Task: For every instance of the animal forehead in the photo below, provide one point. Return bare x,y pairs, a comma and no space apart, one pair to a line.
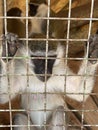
42,45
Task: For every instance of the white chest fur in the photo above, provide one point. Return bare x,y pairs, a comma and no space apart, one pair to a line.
42,101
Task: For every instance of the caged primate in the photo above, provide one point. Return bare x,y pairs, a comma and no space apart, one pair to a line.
40,77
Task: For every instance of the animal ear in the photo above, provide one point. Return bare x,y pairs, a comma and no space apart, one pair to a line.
33,9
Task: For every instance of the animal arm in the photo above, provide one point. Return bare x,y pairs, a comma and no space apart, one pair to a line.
9,70
80,86
84,83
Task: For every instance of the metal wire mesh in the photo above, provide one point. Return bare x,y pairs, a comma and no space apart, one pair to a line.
80,112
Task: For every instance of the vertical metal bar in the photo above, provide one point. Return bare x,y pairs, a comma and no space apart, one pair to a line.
1,19
67,44
7,69
27,65
89,33
46,56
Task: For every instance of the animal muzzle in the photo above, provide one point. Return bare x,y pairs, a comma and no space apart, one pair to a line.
43,69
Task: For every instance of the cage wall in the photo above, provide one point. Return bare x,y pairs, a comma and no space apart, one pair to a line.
48,65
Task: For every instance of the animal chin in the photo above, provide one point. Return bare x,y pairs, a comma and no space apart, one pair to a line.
43,78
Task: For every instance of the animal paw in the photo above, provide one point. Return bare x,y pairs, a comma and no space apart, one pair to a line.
10,44
93,48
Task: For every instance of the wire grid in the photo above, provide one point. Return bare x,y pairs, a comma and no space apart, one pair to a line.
47,39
